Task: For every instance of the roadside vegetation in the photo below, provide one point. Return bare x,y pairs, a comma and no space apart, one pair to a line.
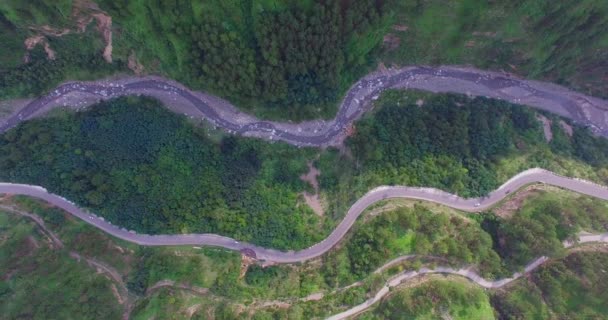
150,170
542,223
147,169
563,42
288,59
196,282
435,299
570,288
467,146
294,59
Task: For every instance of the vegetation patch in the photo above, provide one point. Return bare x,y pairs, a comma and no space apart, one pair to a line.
147,169
39,282
435,299
574,287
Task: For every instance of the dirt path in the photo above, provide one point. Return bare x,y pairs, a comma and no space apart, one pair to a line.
172,284
546,127
122,296
313,200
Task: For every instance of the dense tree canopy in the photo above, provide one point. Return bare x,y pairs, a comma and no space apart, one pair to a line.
282,58
146,169
455,134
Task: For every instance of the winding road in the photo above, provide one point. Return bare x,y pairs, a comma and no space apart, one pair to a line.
463,272
585,110
267,255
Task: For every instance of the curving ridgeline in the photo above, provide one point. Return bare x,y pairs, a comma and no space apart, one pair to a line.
268,255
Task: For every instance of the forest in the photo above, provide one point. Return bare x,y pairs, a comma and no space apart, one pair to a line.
573,288
467,146
294,59
150,170
571,283
289,59
147,169
443,135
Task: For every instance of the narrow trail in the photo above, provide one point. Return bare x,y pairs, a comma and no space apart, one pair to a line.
269,256
199,291
463,272
585,110
112,273
385,290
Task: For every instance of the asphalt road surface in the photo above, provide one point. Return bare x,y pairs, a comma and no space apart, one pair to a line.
267,255
585,110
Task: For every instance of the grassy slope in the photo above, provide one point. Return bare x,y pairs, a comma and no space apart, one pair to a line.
562,42
42,283
435,299
571,288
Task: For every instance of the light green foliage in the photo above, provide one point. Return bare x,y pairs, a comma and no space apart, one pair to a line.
436,299
218,270
415,230
543,222
197,267
522,301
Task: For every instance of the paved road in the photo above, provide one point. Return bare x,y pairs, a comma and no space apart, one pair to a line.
375,195
585,110
464,272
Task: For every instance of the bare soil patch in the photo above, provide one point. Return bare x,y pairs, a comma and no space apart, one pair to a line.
83,13
400,27
313,200
31,43
246,261
116,294
192,309
546,126
567,128
134,64
391,41
509,207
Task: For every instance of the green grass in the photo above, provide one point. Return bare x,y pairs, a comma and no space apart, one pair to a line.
404,243
197,267
170,304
